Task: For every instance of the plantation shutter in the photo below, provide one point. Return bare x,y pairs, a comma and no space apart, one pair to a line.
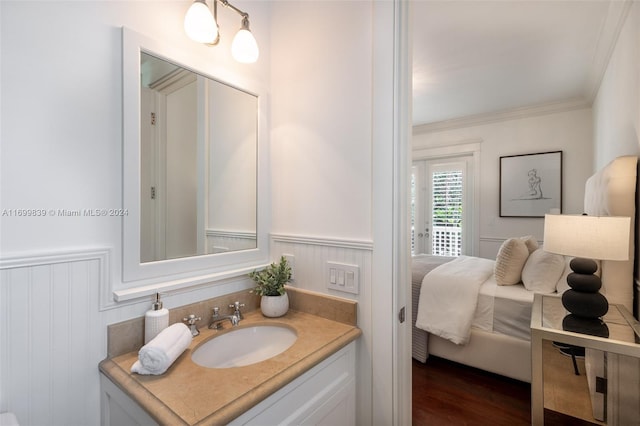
447,200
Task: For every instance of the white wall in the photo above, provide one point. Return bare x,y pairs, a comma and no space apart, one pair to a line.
331,141
616,110
321,145
569,131
61,133
321,120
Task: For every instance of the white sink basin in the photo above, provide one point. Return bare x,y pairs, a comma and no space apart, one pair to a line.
244,346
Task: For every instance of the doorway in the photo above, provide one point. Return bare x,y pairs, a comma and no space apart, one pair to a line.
442,197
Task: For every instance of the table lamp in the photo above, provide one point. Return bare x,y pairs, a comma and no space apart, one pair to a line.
586,238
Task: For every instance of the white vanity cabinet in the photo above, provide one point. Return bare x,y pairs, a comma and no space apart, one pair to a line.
324,395
117,408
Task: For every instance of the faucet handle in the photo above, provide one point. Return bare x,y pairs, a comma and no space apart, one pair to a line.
191,319
191,322
236,306
216,311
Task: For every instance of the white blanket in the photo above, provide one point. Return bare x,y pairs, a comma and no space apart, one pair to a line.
449,296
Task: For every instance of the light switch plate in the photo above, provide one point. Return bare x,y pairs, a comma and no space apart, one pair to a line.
342,277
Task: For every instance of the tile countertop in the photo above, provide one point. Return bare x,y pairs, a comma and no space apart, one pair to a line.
190,394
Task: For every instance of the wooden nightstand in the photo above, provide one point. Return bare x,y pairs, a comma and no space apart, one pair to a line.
614,360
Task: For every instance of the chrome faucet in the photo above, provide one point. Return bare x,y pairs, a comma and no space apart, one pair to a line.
236,307
217,320
191,322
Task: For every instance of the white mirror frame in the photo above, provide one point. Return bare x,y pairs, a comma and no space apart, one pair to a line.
139,278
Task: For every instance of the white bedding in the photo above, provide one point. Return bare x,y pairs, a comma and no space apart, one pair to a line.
421,265
450,307
449,297
504,309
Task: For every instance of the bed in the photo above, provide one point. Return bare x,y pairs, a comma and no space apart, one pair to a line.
494,336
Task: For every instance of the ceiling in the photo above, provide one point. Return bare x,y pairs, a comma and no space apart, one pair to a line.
478,57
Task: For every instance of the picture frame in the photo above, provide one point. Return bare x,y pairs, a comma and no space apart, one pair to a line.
531,184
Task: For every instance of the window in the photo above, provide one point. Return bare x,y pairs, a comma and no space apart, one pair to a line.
440,219
446,207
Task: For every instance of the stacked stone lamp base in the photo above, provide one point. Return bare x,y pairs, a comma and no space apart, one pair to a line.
584,301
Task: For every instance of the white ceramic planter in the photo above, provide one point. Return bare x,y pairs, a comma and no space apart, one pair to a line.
274,306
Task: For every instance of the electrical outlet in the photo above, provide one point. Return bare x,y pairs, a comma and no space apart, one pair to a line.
291,260
342,277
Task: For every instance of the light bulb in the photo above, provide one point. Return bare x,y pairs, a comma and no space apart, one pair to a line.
244,47
199,23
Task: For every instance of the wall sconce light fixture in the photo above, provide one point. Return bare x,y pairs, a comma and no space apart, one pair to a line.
202,26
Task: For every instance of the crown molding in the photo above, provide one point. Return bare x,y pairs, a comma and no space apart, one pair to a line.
614,21
607,39
504,115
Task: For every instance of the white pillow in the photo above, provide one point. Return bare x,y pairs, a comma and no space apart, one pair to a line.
531,243
542,271
511,258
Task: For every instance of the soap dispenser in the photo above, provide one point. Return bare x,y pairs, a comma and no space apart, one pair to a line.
155,320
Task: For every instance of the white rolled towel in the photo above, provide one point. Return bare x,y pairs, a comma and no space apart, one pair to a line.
8,419
157,356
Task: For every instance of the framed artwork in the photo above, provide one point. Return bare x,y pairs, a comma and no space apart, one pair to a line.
531,184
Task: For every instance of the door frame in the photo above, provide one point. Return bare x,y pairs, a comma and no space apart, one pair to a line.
391,255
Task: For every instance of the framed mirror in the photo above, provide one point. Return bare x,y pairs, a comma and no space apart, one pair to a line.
193,169
198,163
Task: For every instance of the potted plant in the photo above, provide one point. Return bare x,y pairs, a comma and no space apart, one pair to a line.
270,283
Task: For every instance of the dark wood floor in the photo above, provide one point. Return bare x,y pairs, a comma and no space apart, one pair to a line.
446,393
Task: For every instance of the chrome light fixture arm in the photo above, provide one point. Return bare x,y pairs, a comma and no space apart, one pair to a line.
201,25
225,3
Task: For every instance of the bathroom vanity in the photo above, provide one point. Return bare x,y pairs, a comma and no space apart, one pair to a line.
312,382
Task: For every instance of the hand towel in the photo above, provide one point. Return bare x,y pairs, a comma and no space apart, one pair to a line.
157,356
8,419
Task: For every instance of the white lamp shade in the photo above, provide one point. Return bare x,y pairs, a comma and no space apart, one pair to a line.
593,237
199,23
244,47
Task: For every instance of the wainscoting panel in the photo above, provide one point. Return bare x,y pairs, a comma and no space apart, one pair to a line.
310,257
54,312
310,261
489,246
52,341
221,241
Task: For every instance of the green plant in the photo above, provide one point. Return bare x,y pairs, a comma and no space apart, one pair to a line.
271,280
